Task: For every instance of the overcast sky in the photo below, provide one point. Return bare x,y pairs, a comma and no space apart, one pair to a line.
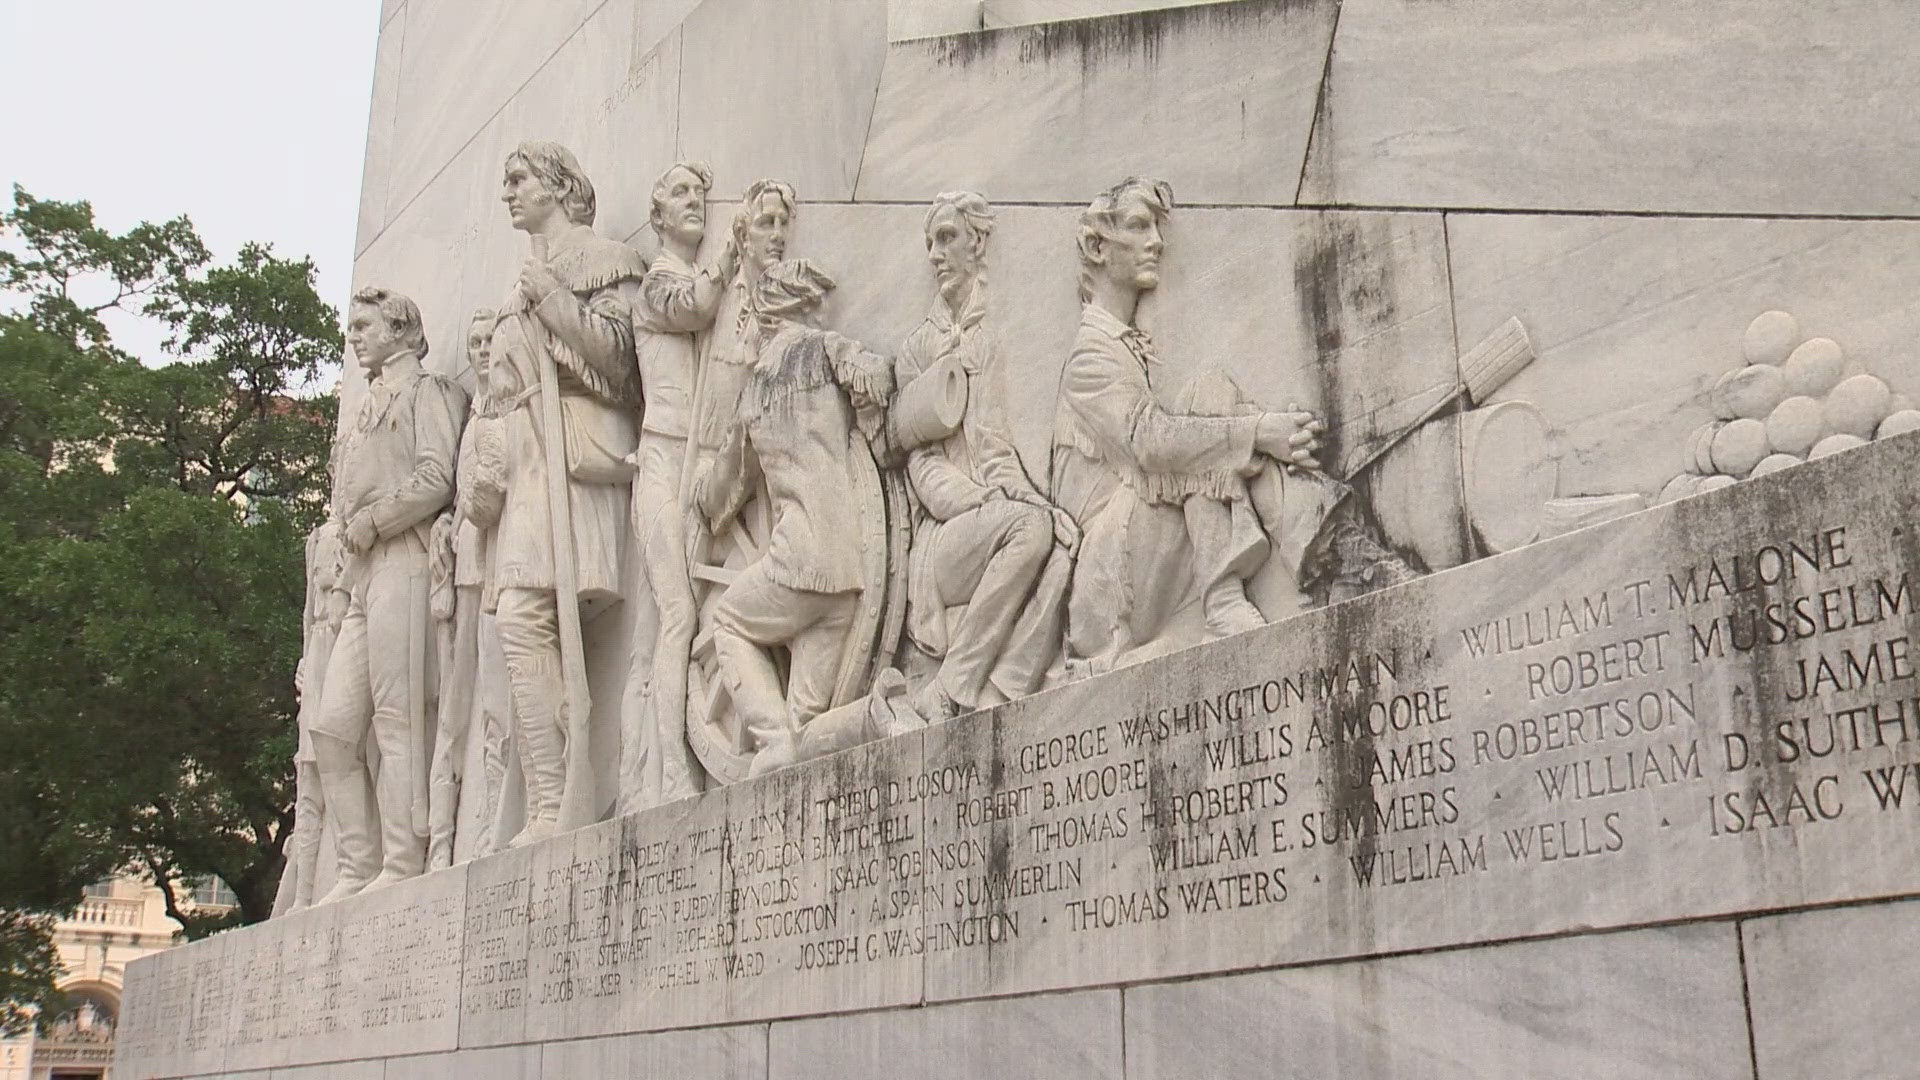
248,116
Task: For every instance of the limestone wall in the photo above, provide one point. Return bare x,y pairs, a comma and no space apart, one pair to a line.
1366,189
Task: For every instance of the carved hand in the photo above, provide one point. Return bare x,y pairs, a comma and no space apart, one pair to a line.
1066,531
537,280
1292,437
360,533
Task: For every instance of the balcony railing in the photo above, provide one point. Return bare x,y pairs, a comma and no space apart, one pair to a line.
109,911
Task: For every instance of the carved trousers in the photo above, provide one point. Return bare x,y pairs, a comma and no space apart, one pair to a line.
757,613
303,854
372,681
999,560
529,626
656,761
473,692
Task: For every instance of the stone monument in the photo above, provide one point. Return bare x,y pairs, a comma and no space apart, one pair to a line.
1260,539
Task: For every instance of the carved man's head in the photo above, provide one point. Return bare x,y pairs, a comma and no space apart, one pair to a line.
791,291
480,343
760,228
680,203
958,225
543,178
1120,235
382,324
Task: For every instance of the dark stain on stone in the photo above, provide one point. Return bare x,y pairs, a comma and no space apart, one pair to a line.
1344,290
1106,38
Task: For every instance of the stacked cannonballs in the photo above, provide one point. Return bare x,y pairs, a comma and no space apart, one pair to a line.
1795,400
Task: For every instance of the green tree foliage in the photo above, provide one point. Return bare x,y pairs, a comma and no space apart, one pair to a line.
152,516
28,968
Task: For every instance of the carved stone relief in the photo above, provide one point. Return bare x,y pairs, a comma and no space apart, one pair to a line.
715,557
672,326
394,474
815,544
325,609
991,556
562,367
1189,495
1797,398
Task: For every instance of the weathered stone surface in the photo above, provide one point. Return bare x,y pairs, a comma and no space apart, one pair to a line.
289,1005
1054,113
728,1052
781,88
624,925
1026,12
382,117
494,976
735,905
1595,731
1635,320
371,1069
1660,1003
924,18
495,46
494,1063
1828,989
1565,105
656,20
393,963
181,1024
1062,1037
824,884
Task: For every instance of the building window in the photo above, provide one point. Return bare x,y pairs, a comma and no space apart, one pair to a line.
210,891
103,887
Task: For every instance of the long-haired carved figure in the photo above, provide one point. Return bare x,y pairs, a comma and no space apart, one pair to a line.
563,358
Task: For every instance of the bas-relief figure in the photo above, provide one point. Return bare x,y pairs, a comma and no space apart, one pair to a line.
1187,493
760,232
991,557
678,302
395,471
805,514
811,402
326,607
562,369
473,680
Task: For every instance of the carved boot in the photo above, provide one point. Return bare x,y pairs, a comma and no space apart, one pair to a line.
543,759
351,809
304,859
493,768
931,702
404,850
1225,552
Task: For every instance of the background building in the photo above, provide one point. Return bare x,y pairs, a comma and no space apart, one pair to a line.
121,919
